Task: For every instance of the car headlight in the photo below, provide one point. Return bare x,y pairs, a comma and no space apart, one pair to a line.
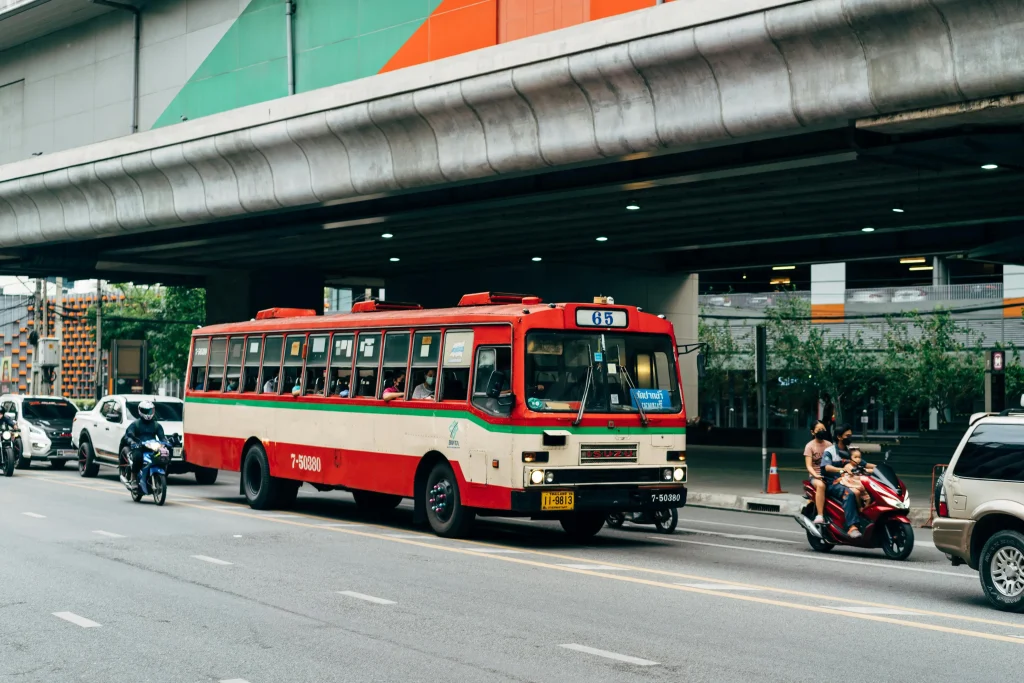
36,430
678,474
537,477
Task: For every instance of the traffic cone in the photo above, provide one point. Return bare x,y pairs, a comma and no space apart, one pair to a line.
774,485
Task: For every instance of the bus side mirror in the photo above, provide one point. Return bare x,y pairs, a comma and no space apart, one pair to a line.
701,365
496,383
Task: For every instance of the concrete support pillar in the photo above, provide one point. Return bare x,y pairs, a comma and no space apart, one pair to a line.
828,292
1013,291
239,295
675,296
940,271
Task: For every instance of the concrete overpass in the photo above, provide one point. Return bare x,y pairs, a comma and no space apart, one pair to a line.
746,131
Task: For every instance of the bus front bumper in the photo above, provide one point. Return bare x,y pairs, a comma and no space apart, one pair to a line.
611,498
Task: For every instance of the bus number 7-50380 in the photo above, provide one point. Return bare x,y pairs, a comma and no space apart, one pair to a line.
306,462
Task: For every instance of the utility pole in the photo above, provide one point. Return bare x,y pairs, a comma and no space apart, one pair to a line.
37,328
98,373
58,326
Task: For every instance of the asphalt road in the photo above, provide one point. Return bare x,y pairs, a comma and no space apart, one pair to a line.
101,589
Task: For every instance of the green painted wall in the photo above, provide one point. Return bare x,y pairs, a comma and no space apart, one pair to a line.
335,41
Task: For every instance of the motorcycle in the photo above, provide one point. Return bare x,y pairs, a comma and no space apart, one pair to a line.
664,520
8,454
884,522
152,478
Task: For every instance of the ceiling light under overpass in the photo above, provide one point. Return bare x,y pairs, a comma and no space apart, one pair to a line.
602,239
783,267
915,259
990,167
632,206
920,267
395,259
387,235
867,229
536,259
898,208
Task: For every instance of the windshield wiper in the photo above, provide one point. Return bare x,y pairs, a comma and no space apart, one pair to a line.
639,404
586,392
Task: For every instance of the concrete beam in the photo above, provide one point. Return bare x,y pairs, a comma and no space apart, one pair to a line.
675,77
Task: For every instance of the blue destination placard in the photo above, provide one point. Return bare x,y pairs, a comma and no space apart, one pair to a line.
651,399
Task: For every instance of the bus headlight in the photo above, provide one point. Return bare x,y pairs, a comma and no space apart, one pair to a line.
678,474
666,474
537,477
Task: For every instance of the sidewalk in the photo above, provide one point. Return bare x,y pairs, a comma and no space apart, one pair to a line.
729,478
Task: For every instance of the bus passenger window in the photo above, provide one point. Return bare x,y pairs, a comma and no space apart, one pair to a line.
426,348
200,354
234,363
458,352
251,372
491,359
215,375
293,353
270,375
396,359
316,366
341,365
367,360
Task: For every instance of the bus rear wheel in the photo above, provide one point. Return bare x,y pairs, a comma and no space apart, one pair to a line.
262,491
374,502
447,515
583,525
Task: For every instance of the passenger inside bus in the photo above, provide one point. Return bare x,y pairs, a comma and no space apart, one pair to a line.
270,386
340,383
425,384
394,387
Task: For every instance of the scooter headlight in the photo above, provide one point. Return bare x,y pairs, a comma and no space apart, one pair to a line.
7,436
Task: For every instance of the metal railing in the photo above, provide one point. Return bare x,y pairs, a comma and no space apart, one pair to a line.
990,291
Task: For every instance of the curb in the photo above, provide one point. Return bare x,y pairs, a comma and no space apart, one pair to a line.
772,505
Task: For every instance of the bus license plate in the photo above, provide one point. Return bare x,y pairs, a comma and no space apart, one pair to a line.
666,497
557,500
176,452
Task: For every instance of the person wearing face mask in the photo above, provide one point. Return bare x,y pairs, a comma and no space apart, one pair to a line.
425,390
813,451
834,462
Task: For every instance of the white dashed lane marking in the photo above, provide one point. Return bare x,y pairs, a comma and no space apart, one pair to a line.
367,598
741,537
609,655
108,534
596,567
719,586
76,619
34,515
857,609
211,560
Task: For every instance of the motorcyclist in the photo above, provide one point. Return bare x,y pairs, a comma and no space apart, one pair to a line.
834,462
9,421
145,428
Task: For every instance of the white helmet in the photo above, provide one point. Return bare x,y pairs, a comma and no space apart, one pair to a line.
147,411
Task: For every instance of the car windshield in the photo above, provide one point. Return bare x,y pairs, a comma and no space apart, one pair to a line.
41,409
165,410
627,369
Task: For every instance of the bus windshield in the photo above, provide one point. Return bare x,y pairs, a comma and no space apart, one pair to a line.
629,370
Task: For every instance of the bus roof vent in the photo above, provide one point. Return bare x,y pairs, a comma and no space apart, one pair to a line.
270,313
373,306
497,298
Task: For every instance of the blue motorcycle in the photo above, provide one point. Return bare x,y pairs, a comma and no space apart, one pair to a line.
153,475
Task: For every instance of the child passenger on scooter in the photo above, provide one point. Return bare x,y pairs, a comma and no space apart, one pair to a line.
852,481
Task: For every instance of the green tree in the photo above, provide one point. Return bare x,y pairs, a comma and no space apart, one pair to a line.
162,316
929,362
838,365
721,348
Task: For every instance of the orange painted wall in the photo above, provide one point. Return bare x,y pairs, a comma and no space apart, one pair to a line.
599,9
523,18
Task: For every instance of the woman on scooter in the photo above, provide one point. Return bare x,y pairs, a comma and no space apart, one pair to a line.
812,461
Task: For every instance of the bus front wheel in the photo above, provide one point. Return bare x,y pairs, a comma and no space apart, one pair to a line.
583,525
262,491
447,515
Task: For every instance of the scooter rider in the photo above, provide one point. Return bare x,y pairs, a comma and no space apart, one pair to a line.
143,429
834,461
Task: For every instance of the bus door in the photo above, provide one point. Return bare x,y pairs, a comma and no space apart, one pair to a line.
488,443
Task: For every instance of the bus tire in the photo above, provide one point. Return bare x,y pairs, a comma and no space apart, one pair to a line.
262,491
447,515
583,525
373,502
206,476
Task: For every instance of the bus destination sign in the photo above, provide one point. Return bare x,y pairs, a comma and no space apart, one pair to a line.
592,317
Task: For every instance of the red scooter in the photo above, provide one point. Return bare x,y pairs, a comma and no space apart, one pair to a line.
884,524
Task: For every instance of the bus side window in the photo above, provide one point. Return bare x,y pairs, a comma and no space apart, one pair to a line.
491,359
293,353
271,367
316,366
458,352
367,362
234,363
215,375
422,380
200,354
396,363
251,372
341,365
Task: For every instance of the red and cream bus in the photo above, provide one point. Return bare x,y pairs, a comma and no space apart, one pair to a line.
509,407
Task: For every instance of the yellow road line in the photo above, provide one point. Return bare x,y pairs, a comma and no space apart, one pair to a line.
240,512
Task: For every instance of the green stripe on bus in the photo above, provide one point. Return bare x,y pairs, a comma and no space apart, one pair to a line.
420,412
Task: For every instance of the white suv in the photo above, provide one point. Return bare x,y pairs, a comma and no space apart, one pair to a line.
45,425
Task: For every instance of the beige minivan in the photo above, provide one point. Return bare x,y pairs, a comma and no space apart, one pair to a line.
980,507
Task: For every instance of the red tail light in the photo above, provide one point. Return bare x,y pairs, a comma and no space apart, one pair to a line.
943,509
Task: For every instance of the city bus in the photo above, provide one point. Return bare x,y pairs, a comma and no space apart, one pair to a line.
503,406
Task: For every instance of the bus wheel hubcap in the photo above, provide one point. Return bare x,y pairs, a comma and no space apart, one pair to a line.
440,500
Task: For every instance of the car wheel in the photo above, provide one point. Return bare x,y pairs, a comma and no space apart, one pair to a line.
583,525
447,515
1001,569
207,476
87,465
262,491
